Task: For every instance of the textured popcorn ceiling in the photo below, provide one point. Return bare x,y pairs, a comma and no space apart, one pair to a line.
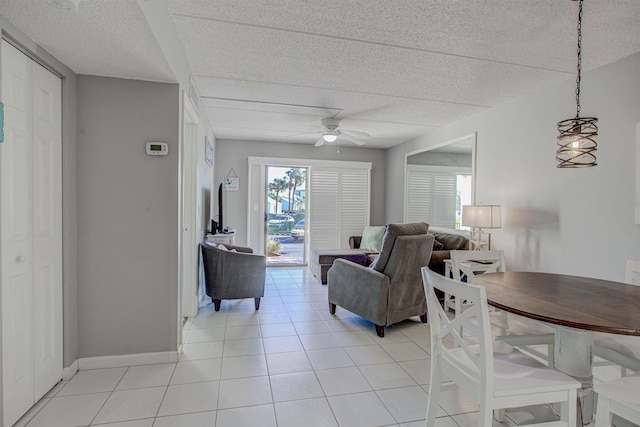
102,37
269,70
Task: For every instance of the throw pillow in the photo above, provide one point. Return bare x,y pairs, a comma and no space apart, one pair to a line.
372,238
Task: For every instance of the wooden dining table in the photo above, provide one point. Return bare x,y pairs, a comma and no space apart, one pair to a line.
577,307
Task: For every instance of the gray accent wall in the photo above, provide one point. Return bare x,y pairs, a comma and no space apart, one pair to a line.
235,154
128,205
572,221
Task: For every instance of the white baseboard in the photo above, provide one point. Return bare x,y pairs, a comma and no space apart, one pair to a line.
70,371
124,360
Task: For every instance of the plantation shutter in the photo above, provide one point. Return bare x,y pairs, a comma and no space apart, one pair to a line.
338,206
443,213
354,204
432,195
323,208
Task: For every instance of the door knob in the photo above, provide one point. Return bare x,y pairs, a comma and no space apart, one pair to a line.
20,258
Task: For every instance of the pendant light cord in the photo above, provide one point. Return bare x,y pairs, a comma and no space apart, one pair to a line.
578,78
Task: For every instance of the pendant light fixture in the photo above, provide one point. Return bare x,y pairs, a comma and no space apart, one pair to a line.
576,141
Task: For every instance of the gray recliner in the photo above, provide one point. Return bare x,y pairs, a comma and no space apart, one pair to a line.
235,273
390,290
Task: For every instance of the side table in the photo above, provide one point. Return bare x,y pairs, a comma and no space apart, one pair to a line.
221,238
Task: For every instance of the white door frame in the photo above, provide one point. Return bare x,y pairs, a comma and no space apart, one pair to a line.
256,196
188,243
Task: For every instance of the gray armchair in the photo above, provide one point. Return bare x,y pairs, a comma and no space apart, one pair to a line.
391,289
233,275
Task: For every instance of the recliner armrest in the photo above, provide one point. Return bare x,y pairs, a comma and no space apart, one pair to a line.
359,289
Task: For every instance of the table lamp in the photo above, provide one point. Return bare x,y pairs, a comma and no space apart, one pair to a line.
478,217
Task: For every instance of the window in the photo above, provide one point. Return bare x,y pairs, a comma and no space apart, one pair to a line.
436,194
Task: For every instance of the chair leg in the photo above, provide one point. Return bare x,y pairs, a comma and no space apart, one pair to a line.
569,409
434,396
257,300
380,330
424,318
216,304
485,417
332,308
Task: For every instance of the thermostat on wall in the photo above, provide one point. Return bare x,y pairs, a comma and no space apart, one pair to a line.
157,148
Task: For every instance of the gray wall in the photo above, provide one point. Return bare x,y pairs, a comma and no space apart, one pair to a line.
234,154
574,221
127,217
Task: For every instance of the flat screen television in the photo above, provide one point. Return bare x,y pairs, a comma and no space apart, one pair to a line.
217,227
220,210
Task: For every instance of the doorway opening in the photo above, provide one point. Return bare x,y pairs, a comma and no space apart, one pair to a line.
285,216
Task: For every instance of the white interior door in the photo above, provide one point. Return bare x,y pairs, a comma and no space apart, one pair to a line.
31,240
47,229
17,232
189,243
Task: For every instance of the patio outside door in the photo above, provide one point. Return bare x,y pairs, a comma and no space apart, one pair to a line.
285,216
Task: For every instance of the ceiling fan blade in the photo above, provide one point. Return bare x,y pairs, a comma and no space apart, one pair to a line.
355,133
319,142
351,139
304,133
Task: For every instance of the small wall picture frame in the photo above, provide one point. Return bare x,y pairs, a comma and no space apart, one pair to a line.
208,153
231,181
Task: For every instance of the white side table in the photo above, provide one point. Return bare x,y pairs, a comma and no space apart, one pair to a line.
221,238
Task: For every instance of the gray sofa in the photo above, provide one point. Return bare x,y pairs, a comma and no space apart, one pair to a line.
390,290
233,273
442,246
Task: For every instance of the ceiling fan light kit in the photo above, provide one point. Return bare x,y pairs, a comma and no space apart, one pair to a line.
330,136
331,133
331,129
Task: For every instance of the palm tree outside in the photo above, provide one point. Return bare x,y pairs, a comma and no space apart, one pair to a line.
285,215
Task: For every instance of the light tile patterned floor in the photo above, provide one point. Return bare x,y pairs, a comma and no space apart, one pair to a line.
290,364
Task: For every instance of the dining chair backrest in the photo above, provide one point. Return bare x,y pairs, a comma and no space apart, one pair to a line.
632,275
466,264
470,358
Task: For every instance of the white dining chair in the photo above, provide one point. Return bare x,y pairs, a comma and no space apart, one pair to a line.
518,331
618,397
620,350
495,374
466,264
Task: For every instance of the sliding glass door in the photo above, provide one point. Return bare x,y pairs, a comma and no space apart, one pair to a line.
285,215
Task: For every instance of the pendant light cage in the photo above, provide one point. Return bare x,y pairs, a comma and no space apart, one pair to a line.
577,136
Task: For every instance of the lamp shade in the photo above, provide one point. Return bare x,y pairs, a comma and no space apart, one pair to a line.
481,216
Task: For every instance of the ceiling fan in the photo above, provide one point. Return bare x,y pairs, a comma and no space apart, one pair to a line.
332,133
